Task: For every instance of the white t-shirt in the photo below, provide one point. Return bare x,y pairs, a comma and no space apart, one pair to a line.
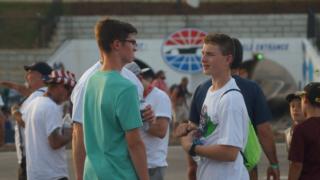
79,90
1,101
229,115
19,134
42,117
157,148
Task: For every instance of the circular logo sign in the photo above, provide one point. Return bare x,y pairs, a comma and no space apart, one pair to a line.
182,50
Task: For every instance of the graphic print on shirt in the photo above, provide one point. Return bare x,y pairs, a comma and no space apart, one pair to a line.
206,125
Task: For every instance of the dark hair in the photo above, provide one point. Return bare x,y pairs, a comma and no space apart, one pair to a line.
249,67
224,42
159,73
108,30
238,54
312,93
148,75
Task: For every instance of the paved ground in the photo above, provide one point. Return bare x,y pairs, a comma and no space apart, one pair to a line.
175,171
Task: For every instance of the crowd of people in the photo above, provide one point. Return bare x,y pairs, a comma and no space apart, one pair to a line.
122,115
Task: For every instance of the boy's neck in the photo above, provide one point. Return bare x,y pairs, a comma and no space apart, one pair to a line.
111,62
313,112
219,81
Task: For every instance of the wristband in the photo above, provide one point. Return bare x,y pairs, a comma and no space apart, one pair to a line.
192,149
274,166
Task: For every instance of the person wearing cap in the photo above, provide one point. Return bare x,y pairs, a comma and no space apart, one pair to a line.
45,137
305,144
258,111
155,135
35,87
296,115
111,114
33,75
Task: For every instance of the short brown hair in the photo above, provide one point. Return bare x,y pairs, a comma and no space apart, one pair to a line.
108,30
224,42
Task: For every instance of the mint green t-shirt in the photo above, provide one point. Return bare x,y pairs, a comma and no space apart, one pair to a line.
111,107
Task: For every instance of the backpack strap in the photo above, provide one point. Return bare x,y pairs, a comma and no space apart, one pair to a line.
41,90
229,90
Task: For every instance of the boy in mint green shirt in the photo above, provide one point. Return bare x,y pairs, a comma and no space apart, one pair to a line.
112,118
107,153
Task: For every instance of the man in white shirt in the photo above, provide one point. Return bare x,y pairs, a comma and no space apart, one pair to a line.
155,135
44,135
35,87
223,128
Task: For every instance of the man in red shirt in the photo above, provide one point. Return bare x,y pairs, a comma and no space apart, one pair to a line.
305,145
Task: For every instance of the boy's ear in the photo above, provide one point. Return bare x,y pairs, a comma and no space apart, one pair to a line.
230,59
116,44
305,100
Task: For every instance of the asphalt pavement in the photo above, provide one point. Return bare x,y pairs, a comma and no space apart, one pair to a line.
176,159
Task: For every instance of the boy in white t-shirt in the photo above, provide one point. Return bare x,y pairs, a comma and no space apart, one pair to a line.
45,135
223,129
155,134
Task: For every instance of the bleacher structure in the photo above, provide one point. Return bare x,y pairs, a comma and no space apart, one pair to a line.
157,26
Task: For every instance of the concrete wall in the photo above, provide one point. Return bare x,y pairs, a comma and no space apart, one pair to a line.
12,62
81,27
289,25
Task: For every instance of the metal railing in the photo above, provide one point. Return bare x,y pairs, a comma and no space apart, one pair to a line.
313,28
29,31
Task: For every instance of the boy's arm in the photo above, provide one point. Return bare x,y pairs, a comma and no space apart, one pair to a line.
137,153
17,116
57,139
22,89
295,169
192,168
216,152
78,150
159,127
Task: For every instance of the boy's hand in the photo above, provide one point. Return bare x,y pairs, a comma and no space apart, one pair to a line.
184,128
186,141
148,114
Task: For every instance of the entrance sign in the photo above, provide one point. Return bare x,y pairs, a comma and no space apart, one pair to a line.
181,51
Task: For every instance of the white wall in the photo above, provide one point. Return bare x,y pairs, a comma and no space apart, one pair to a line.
78,55
312,60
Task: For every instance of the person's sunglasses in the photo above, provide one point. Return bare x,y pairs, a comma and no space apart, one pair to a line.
132,41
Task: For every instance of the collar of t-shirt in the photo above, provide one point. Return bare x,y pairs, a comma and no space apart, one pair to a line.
42,89
147,90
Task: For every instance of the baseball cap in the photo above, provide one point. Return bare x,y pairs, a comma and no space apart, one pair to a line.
290,97
312,92
59,76
41,67
133,67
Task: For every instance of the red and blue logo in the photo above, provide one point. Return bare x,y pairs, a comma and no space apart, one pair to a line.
182,50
